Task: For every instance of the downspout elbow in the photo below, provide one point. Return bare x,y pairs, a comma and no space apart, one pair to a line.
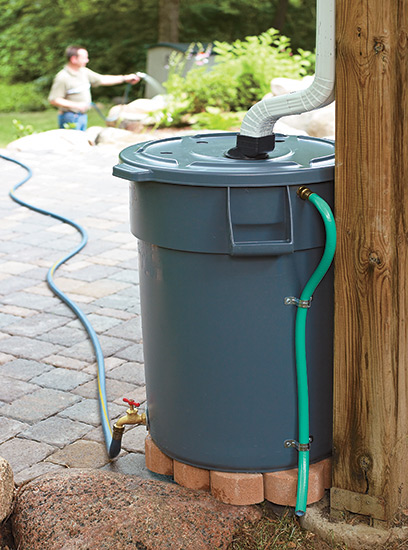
262,117
254,139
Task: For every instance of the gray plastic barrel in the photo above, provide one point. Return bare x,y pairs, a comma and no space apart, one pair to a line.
222,242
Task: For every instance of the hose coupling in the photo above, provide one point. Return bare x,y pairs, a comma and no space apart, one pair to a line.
304,192
117,432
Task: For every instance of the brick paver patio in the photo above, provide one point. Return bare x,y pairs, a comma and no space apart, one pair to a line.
49,416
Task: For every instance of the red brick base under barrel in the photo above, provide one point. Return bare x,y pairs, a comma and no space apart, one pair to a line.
241,488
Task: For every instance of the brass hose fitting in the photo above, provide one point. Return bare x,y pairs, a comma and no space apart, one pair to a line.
304,192
117,432
132,417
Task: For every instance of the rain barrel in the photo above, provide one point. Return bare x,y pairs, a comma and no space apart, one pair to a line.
222,243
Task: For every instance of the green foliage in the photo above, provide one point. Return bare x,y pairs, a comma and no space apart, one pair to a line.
258,59
22,129
21,97
300,23
211,20
34,35
41,121
240,77
216,119
28,35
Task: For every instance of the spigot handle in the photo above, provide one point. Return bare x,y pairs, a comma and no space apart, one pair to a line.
131,402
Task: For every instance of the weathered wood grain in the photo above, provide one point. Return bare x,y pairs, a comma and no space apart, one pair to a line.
371,290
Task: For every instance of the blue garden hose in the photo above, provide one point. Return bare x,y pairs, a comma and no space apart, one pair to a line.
300,343
112,447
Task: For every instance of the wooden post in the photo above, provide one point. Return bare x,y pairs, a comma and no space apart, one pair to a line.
371,269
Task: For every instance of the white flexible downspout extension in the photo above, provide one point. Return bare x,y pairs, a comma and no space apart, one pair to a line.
261,117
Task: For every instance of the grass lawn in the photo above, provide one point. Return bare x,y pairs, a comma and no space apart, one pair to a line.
39,120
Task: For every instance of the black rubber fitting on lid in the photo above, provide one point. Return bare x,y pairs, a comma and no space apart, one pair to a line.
249,147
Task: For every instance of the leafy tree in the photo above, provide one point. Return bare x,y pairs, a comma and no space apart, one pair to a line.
25,54
300,23
210,20
280,14
169,19
34,35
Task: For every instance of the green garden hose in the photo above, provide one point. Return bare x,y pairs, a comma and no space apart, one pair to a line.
300,343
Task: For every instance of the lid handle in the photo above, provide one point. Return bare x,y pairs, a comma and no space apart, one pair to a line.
132,173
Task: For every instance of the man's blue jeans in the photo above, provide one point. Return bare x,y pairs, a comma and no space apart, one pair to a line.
79,119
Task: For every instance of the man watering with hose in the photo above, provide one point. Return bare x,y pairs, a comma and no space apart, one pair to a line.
71,88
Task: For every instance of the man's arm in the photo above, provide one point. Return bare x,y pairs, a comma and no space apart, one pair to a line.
111,80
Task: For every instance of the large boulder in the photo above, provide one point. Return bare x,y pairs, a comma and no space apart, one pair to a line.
138,111
54,140
115,136
6,489
317,123
281,127
92,133
94,509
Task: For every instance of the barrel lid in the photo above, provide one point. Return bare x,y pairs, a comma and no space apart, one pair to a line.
201,160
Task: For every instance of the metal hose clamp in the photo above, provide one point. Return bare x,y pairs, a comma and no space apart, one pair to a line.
293,301
292,443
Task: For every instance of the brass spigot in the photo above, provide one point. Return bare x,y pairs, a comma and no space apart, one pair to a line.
132,417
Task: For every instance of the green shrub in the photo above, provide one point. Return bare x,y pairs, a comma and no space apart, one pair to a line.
215,119
22,129
21,97
240,77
